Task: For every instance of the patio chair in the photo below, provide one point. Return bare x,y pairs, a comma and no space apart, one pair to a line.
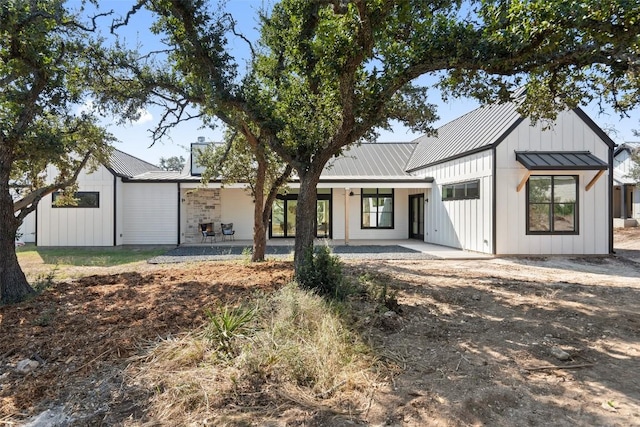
227,231
207,231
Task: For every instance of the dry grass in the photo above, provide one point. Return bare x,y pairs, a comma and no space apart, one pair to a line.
295,352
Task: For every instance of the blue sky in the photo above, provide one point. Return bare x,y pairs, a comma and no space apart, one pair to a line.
135,138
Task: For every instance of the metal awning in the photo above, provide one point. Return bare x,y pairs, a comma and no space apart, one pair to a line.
560,160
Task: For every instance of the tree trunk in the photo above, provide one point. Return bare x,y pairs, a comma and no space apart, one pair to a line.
305,218
13,283
259,227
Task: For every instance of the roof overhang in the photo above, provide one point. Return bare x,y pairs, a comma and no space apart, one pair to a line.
372,182
560,160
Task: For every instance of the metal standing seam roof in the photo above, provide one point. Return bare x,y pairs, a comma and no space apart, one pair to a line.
555,160
627,146
125,165
474,131
371,160
163,175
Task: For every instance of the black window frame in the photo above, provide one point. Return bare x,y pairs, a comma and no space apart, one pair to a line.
552,204
452,191
79,195
377,195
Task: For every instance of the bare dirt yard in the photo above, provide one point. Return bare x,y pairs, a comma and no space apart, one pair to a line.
503,342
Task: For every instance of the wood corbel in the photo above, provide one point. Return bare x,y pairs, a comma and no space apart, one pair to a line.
593,181
524,181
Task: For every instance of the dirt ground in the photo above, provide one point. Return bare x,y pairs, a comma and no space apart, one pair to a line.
502,342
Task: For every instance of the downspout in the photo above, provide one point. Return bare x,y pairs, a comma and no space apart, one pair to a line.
494,203
36,232
115,211
611,251
178,184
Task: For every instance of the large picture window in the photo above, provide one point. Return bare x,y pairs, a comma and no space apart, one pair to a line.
552,206
377,208
84,199
461,190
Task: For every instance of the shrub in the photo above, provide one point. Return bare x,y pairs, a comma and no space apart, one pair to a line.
322,273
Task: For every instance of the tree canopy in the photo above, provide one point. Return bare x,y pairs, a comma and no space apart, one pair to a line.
328,73
49,65
173,163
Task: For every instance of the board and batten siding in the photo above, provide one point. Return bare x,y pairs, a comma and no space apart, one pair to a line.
73,226
27,230
622,164
570,133
150,213
120,211
464,224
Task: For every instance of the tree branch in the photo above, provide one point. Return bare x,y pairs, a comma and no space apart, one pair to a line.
28,204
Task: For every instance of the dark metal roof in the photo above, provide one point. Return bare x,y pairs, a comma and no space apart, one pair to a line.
475,131
560,160
125,165
373,160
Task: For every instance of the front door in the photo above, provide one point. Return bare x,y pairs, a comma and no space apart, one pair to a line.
416,216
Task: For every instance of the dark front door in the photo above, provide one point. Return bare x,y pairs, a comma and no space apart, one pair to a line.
416,216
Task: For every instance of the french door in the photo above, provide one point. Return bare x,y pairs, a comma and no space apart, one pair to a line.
283,216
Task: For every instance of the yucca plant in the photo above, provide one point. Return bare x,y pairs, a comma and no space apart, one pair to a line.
226,324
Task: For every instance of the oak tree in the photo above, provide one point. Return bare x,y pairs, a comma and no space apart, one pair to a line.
46,70
328,73
173,163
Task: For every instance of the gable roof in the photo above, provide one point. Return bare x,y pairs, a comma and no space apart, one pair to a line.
371,160
125,165
470,133
478,130
627,146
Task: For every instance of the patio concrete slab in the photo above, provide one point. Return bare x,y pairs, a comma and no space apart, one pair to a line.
378,249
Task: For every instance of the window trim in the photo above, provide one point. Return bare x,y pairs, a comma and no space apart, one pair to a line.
576,230
452,187
75,195
378,195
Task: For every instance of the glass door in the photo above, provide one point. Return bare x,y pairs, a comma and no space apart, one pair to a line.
283,215
278,220
323,218
291,218
416,216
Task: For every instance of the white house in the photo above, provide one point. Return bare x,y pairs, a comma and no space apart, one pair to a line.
489,182
626,194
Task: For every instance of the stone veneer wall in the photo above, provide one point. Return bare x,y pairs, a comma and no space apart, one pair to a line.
201,206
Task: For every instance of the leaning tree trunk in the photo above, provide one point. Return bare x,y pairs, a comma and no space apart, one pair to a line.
305,219
13,283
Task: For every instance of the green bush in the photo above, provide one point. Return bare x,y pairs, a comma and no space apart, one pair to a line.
322,273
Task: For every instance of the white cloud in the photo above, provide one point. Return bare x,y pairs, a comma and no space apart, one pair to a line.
145,116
